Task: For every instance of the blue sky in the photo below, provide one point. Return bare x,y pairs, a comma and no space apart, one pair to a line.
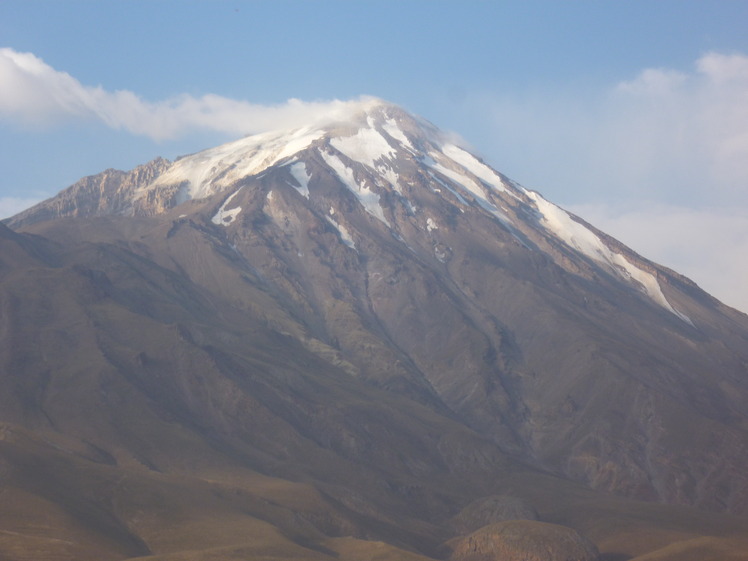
633,114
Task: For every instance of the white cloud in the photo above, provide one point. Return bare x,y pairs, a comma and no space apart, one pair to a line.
691,127
709,246
34,93
665,135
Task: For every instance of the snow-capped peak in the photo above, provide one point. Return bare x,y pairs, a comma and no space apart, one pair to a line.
367,144
374,156
212,170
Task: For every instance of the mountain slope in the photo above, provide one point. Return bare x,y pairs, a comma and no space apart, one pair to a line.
362,313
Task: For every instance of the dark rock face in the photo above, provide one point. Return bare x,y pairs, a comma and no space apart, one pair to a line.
355,336
524,540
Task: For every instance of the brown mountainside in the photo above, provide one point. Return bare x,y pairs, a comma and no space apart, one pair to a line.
338,342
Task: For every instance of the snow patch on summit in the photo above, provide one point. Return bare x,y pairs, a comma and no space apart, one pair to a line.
579,237
390,175
368,198
225,217
345,235
366,146
212,170
390,127
474,166
302,177
467,183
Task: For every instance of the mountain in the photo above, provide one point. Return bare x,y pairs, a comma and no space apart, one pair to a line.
356,340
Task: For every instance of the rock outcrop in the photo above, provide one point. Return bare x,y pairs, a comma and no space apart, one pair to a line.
111,192
489,510
524,540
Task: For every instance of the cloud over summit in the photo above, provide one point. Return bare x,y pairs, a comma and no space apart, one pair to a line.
662,122
32,93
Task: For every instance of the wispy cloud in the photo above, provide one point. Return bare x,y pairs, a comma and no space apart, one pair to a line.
694,124
663,135
33,93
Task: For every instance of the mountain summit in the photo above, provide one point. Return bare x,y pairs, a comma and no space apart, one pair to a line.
351,331
380,153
